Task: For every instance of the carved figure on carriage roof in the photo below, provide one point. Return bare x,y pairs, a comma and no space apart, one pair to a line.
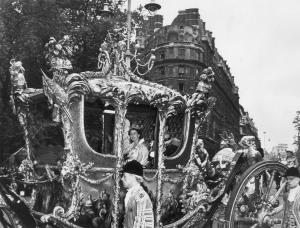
58,56
206,78
18,85
112,54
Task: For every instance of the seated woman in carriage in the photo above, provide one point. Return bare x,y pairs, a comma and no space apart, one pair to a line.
136,150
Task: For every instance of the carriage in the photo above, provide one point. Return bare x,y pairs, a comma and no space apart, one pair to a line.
72,179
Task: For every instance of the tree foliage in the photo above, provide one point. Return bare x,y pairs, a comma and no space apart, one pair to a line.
27,25
296,123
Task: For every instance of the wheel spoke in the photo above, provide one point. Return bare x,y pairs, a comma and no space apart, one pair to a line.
255,195
266,196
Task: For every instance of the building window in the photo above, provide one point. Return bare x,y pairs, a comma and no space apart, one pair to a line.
187,70
181,52
171,52
193,54
170,71
162,55
181,37
181,87
175,70
196,55
181,70
161,70
200,57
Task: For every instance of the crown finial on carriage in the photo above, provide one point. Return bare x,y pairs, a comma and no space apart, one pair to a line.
58,56
59,52
116,60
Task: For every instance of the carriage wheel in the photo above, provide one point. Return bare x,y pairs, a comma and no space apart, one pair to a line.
256,193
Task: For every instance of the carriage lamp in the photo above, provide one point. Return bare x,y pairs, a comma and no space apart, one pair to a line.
152,6
106,12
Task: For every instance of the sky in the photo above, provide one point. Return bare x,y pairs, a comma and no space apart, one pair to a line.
260,40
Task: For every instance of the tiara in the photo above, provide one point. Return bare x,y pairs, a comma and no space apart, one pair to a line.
137,125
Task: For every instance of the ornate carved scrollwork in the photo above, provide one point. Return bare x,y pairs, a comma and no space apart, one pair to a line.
19,99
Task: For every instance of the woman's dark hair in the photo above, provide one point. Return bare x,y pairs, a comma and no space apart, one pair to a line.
137,130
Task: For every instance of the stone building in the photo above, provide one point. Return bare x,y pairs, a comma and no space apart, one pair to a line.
247,125
183,50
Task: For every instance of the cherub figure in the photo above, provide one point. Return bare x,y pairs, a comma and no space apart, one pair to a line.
249,148
18,83
103,58
224,156
206,78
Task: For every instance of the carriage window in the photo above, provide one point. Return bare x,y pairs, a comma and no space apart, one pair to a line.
144,119
93,124
47,138
108,120
173,134
48,145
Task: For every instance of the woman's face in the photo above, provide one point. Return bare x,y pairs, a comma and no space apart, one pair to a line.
134,136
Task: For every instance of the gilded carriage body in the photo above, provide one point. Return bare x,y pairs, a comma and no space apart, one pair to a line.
184,192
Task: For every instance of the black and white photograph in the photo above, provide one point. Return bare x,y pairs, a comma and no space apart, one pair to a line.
149,114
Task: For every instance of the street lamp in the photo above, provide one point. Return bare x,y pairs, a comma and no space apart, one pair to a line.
152,7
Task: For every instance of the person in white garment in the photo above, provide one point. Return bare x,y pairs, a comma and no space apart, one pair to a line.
291,206
136,150
138,205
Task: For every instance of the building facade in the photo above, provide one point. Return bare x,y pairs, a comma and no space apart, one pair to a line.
183,49
247,126
279,151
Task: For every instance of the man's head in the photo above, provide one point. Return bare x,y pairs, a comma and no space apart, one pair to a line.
293,177
289,153
132,174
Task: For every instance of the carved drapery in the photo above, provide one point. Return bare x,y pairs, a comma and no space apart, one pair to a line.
121,109
162,115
